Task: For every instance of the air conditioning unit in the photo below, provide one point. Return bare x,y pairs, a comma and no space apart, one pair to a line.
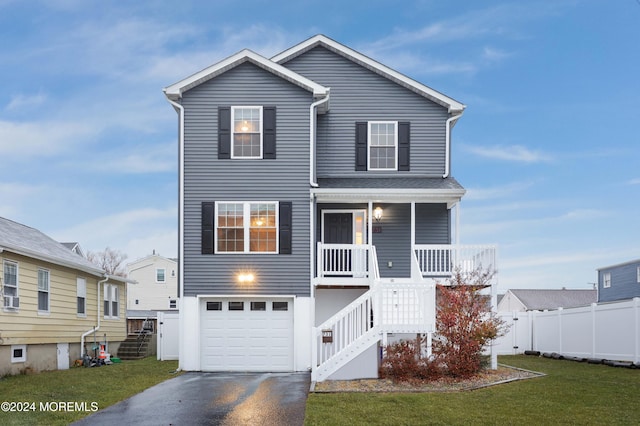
11,302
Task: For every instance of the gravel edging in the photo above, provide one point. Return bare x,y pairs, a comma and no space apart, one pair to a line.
487,378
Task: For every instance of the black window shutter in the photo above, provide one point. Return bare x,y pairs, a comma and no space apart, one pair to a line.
361,146
285,227
224,133
269,132
208,212
403,146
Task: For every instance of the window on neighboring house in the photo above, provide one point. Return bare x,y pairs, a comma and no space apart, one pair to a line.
160,275
606,279
383,145
43,291
81,296
247,132
246,227
18,353
111,301
10,284
173,304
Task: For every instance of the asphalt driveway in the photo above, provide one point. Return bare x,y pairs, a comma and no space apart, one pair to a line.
213,399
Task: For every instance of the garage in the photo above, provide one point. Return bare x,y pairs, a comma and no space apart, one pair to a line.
246,334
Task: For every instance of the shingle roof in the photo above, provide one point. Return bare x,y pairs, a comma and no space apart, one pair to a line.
391,183
22,239
553,299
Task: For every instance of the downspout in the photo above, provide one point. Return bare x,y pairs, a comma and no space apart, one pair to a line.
97,327
312,140
180,109
447,142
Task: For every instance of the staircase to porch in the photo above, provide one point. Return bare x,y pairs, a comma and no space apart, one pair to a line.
390,305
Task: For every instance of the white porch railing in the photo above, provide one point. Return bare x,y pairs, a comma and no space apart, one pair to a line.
343,260
442,260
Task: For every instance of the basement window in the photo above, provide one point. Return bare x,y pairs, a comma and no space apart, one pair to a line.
18,353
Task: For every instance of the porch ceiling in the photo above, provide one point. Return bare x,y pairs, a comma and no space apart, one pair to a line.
398,190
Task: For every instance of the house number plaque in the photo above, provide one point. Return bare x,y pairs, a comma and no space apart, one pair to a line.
327,336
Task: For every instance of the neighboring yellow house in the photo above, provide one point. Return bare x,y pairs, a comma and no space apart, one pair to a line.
51,300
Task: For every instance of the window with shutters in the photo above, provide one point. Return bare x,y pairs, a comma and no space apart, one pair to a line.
383,145
247,227
247,132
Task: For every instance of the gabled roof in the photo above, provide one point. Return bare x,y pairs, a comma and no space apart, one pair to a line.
176,90
539,300
27,241
630,262
321,40
74,247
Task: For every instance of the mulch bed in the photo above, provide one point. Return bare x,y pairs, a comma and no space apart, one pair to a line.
504,374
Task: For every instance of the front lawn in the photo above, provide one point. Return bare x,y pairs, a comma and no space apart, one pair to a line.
44,397
571,393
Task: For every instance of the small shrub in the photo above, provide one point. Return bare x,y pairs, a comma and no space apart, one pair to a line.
464,325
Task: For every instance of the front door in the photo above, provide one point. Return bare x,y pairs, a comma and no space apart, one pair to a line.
338,228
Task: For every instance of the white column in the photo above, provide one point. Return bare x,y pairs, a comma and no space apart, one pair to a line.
413,226
370,223
457,232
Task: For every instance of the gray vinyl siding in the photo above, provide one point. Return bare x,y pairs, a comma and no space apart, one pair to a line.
624,283
393,243
433,224
358,94
286,178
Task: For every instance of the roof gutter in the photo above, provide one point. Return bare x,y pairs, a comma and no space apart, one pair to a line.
312,139
447,153
180,110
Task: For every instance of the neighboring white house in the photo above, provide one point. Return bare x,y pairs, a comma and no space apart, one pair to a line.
157,284
518,300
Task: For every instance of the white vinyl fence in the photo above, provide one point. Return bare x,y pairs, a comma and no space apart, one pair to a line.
607,331
168,336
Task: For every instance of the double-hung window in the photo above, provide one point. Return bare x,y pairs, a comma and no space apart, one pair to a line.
606,280
81,296
160,276
383,145
246,227
111,301
10,284
247,132
43,291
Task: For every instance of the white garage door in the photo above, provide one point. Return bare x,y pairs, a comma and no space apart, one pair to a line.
246,335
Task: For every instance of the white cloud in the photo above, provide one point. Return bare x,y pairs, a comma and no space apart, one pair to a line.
127,231
497,192
150,158
516,153
42,138
634,181
25,101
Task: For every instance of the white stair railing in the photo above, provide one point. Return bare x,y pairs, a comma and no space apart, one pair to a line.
344,336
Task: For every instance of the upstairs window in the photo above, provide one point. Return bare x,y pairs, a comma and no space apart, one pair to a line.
606,280
10,284
383,145
43,291
160,275
247,132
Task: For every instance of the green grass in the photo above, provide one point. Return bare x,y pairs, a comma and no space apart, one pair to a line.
571,394
103,385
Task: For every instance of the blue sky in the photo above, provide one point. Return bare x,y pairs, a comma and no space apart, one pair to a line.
548,147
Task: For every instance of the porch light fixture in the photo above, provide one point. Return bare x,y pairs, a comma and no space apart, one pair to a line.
377,214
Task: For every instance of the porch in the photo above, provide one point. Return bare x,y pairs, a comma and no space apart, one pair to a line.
357,264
